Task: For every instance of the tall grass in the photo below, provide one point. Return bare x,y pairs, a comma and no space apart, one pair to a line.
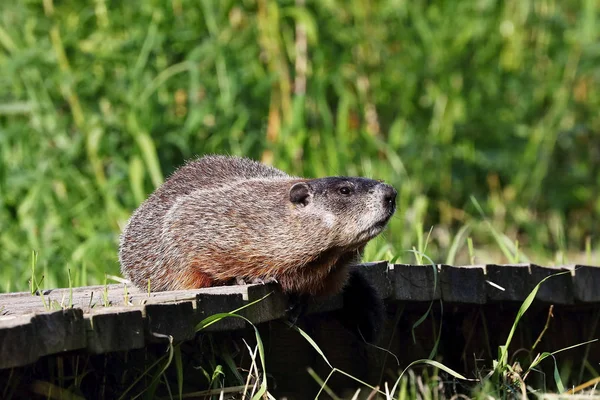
99,101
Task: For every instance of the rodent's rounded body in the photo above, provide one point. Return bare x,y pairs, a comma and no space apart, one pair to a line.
218,219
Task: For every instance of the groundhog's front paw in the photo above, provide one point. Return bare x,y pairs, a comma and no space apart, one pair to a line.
263,281
240,281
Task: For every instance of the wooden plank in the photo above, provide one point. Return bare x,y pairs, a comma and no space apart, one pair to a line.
94,297
23,339
379,275
213,302
18,342
231,289
229,298
115,329
272,306
22,303
172,319
135,315
121,295
556,290
586,283
416,282
60,331
84,298
465,284
508,282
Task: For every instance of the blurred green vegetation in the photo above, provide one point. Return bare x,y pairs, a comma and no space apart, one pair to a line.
448,101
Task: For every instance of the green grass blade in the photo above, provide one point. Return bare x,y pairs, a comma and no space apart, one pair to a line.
557,380
217,317
310,341
503,350
179,370
544,355
434,350
456,243
432,363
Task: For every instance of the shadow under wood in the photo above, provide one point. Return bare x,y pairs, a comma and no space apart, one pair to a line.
469,341
470,336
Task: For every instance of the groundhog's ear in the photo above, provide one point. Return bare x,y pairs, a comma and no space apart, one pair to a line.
300,193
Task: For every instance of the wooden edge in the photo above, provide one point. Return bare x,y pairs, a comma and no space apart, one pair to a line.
172,319
23,339
586,283
271,304
60,331
416,282
379,274
114,329
208,304
463,284
508,282
558,289
18,342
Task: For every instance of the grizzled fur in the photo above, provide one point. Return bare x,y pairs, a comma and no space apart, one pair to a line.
218,219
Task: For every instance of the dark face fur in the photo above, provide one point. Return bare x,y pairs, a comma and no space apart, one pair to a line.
353,209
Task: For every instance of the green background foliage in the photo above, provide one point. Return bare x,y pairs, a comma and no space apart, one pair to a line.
99,101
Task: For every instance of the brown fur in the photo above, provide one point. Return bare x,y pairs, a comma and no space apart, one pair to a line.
220,218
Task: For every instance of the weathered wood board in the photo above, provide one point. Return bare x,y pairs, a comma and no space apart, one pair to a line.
101,319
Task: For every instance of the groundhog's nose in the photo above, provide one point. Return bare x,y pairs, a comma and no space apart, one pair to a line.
389,194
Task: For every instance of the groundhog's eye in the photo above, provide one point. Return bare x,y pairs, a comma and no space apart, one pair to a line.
345,190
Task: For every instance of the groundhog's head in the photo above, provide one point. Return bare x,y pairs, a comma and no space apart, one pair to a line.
353,209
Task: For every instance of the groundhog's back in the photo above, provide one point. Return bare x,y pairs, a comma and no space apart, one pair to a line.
140,250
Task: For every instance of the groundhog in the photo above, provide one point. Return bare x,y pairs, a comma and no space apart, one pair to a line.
219,219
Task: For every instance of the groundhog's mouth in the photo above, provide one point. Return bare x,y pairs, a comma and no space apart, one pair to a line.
383,222
380,225
375,229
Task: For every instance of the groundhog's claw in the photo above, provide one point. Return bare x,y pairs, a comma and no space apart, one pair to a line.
264,281
240,281
243,281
